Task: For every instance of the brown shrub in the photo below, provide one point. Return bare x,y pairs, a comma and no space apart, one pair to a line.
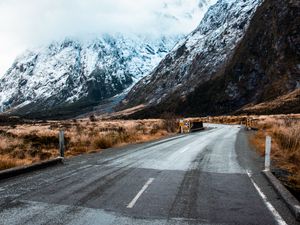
155,129
170,122
77,150
142,128
19,154
113,138
288,137
92,118
44,155
33,152
78,128
104,142
41,141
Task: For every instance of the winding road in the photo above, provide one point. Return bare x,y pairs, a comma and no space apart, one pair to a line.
208,177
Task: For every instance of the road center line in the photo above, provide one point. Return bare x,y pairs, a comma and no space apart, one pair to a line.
132,203
271,208
184,150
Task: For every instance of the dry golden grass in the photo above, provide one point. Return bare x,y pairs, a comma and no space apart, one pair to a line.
285,135
27,143
6,162
285,103
257,141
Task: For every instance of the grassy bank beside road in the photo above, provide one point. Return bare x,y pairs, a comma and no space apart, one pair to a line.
26,143
285,133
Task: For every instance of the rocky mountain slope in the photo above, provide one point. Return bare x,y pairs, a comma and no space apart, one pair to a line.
283,104
74,76
243,52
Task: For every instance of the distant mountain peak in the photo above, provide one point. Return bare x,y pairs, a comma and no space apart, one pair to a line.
74,75
63,73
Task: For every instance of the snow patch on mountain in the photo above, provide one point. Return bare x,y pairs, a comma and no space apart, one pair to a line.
93,69
65,68
197,59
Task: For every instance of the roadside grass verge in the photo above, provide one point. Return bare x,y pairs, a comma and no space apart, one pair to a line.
111,139
285,135
6,162
23,144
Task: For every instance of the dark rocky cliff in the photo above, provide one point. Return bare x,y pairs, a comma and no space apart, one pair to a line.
264,66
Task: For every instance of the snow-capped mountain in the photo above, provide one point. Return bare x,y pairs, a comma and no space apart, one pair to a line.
197,58
69,71
75,75
242,58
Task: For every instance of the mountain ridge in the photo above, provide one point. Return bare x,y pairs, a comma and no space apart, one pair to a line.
73,76
242,54
263,66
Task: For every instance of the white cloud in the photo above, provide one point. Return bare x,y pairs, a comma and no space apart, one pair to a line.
28,23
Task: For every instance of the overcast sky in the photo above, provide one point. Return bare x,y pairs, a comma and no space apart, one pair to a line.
30,23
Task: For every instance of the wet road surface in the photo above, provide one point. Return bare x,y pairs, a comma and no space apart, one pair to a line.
209,177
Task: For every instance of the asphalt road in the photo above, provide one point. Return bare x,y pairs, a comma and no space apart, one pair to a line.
210,177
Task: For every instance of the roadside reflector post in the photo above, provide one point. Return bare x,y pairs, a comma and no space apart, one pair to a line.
181,124
268,153
61,143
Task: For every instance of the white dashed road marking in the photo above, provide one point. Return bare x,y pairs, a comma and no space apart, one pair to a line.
132,203
184,150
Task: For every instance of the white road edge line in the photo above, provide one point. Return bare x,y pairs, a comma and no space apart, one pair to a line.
271,208
132,203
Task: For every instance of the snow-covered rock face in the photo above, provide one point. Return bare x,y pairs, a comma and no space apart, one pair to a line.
71,70
197,58
86,72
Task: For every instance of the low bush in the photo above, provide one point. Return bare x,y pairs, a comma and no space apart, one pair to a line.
19,154
155,129
288,137
170,122
92,118
44,155
103,142
113,138
41,141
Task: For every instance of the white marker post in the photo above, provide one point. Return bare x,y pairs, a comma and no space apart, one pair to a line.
61,143
268,153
